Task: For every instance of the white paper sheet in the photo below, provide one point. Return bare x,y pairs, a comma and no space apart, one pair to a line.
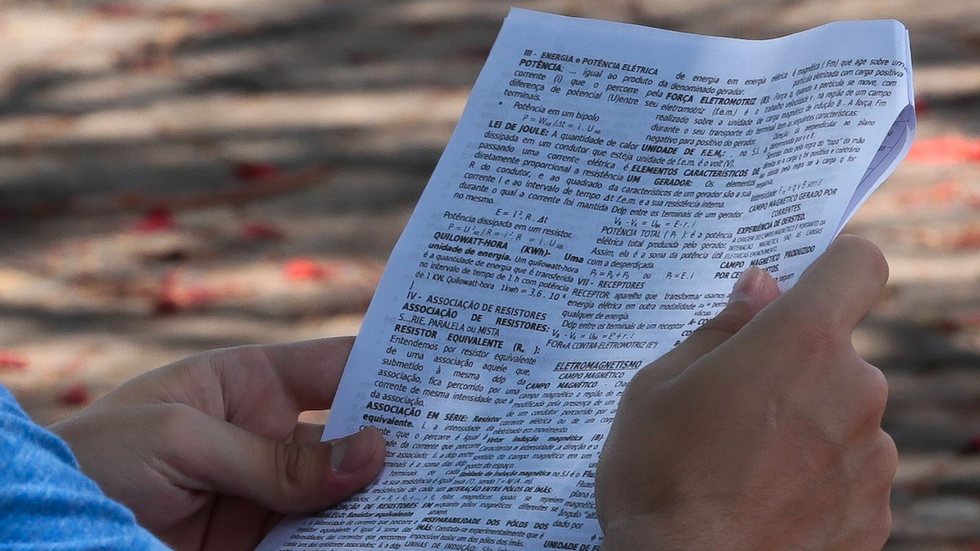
605,186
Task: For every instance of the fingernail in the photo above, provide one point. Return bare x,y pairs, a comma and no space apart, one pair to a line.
746,285
352,452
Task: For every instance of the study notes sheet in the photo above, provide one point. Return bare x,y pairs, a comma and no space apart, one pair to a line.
604,188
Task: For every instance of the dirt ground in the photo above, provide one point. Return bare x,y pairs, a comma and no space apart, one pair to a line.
183,175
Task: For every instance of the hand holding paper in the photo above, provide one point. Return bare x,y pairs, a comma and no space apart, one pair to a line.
762,430
207,451
605,186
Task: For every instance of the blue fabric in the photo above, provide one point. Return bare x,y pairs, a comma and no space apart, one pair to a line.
46,503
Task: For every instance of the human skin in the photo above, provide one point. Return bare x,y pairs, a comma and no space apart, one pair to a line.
762,431
208,452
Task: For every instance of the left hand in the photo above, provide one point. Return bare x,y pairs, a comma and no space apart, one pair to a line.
208,451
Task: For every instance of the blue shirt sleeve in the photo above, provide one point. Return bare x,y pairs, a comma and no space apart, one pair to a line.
46,503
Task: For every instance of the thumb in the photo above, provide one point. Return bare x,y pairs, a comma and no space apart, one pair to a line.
753,291
287,477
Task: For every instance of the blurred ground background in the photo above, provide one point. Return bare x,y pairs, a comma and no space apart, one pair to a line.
183,175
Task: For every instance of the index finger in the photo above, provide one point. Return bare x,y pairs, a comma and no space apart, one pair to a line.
310,371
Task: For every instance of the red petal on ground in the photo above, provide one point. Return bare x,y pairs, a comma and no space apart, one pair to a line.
945,150
968,239
937,194
156,219
972,447
304,269
257,231
200,295
165,302
948,326
116,10
174,296
945,192
249,171
958,322
12,360
213,21
922,106
75,395
165,305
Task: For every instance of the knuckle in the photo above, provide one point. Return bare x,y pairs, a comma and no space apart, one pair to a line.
289,466
884,525
729,321
880,463
635,390
876,263
645,379
868,254
873,390
887,457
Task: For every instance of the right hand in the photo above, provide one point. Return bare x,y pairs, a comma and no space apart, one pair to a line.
762,431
